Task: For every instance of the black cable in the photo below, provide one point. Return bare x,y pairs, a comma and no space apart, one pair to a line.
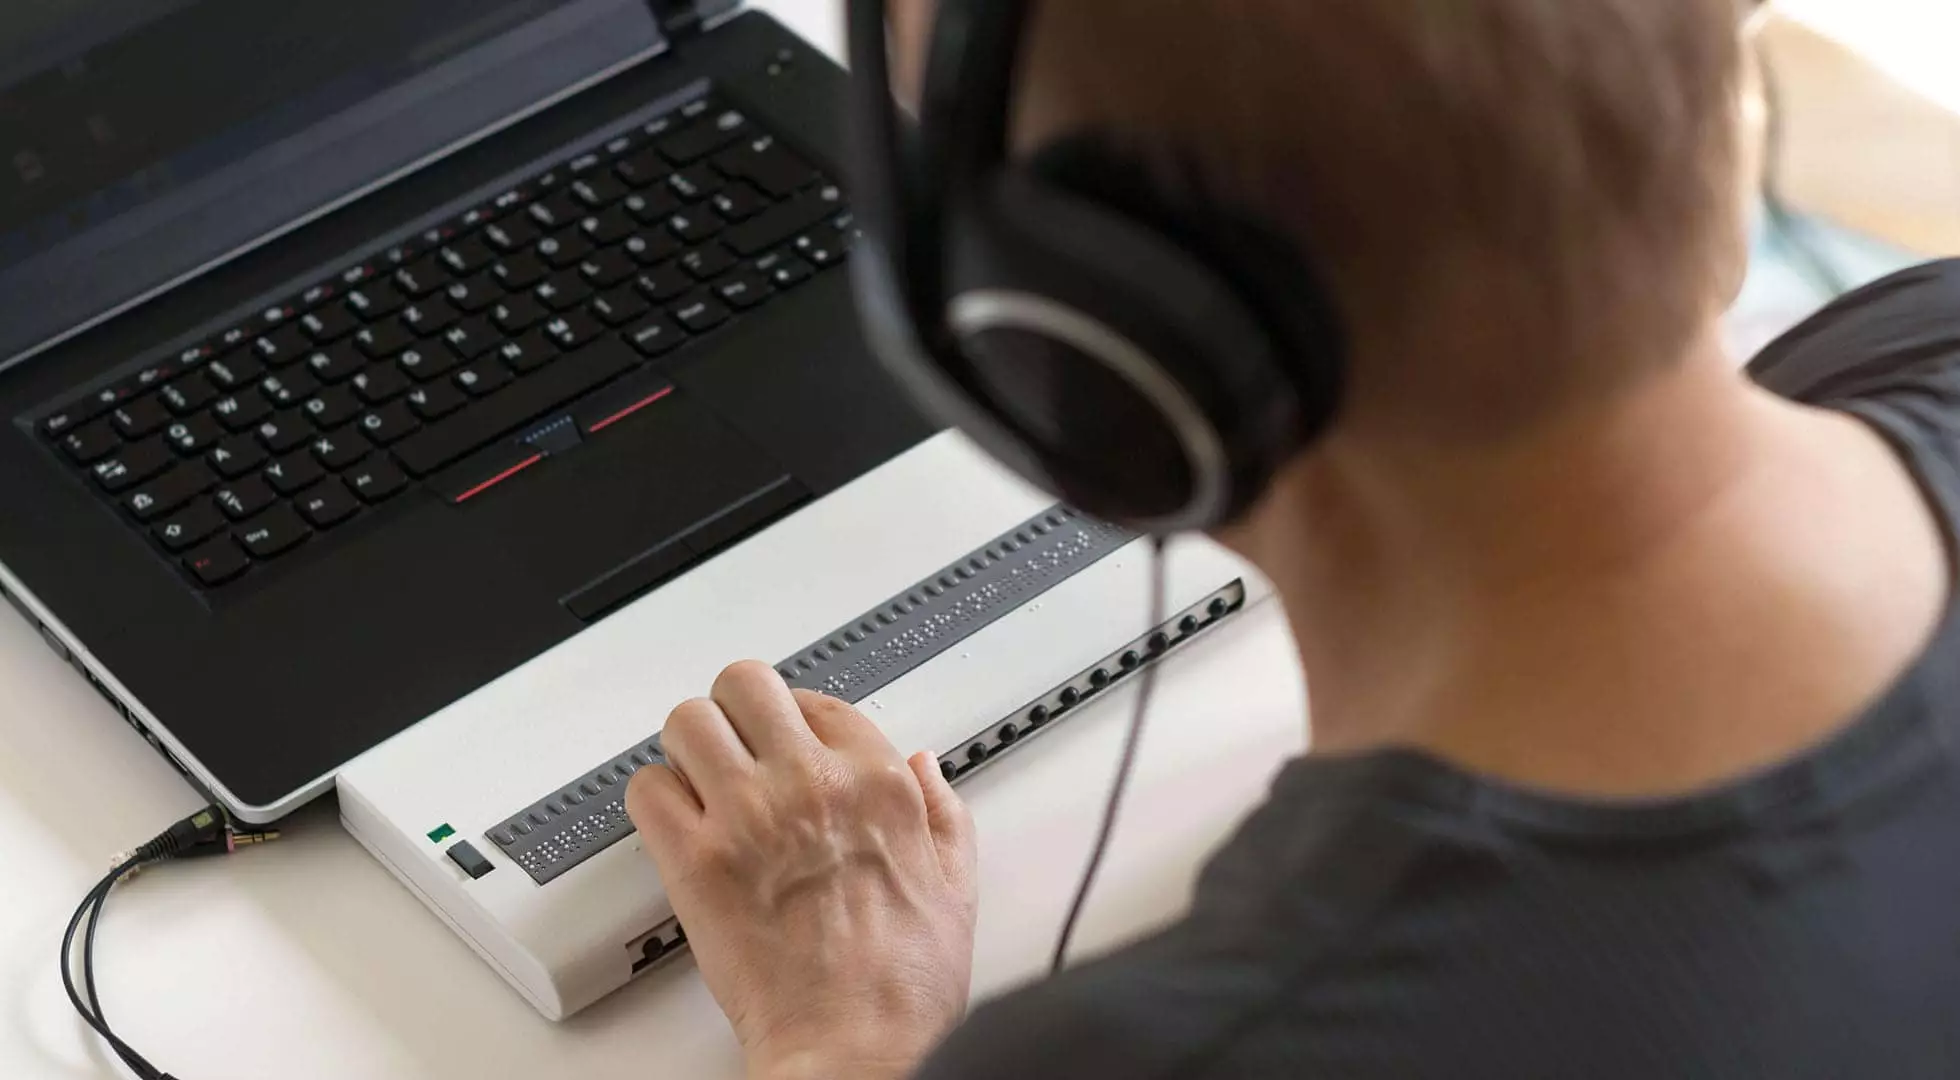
1124,768
1788,225
205,833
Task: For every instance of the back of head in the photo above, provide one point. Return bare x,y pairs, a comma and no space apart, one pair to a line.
1519,203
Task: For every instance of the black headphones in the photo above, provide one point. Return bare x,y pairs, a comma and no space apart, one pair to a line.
1115,336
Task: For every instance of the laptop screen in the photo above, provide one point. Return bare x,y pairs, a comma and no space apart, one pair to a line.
140,140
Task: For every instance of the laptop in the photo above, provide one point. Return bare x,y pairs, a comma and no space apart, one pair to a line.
355,352
416,400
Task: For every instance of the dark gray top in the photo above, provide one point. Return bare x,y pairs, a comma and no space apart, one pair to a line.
1392,916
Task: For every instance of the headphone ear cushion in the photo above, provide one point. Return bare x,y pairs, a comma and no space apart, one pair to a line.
1268,273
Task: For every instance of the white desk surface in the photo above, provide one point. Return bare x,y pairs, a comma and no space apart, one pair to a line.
305,960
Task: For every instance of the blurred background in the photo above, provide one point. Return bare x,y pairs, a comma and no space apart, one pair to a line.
1857,124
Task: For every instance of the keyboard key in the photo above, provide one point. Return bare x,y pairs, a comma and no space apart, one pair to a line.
820,247
241,410
331,408
374,300
294,471
241,499
154,375
555,211
329,323
573,330
571,376
278,348
435,400
140,418
473,294
564,249
386,424
607,227
708,263
470,338
87,445
607,268
217,562
620,306
514,314
700,313
482,379
738,202
188,395
63,420
743,290
375,479
421,277
528,353
426,361
272,533
657,336
664,283
132,464
768,165
596,190
189,526
648,248
337,450
775,227
695,184
290,388
335,364
511,234
424,318
693,226
519,271
384,339
653,206
784,270
562,292
193,434
703,137
466,256
169,491
379,383
327,504
284,431
237,456
643,168
232,372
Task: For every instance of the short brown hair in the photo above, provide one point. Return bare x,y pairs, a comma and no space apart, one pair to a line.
1545,181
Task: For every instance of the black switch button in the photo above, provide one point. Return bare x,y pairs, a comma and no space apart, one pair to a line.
465,855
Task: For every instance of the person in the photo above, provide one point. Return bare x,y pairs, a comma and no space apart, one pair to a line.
1635,681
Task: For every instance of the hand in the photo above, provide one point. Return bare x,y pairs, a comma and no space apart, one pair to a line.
826,884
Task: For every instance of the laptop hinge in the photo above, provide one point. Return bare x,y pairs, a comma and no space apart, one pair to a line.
685,18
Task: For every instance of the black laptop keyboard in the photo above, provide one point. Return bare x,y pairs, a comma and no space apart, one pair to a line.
415,365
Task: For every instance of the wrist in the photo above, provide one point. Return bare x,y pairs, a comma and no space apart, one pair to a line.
830,1063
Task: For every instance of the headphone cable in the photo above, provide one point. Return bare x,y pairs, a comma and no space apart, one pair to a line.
1125,767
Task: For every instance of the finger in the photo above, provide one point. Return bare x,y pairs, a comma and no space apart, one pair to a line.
759,705
951,822
703,747
840,726
663,809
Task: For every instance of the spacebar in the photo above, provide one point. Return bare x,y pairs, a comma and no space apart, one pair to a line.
567,378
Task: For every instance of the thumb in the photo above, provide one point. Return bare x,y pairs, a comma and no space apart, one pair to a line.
950,821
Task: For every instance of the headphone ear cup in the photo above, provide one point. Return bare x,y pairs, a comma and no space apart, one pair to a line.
1139,377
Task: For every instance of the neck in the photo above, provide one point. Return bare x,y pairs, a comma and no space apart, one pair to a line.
1691,579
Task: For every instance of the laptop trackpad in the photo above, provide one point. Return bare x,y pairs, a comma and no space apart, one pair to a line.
667,482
